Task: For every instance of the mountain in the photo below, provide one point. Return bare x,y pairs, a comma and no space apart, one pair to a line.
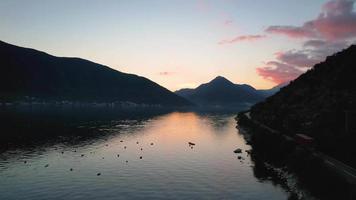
221,92
30,74
320,103
269,92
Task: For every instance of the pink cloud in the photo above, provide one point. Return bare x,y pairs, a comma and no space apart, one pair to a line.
337,21
297,58
290,64
338,7
291,31
242,38
330,32
278,72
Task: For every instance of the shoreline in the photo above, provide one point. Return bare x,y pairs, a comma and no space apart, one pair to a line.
282,152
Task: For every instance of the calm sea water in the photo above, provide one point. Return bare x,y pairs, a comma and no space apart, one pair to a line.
139,159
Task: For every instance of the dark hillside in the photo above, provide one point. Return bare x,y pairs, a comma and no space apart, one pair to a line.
31,74
320,103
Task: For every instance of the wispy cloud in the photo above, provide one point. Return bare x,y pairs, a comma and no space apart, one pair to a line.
314,43
248,38
291,31
228,22
165,73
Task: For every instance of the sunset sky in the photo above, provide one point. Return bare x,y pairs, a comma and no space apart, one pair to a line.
183,43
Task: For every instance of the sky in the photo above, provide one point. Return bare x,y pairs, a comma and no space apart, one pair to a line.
183,43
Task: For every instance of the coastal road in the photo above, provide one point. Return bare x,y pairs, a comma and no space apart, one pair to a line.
341,168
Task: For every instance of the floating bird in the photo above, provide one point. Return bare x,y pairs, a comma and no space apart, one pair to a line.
118,155
238,150
124,147
191,143
121,141
151,143
82,155
71,169
46,165
136,142
25,161
106,145
102,157
141,149
140,157
98,174
62,152
127,161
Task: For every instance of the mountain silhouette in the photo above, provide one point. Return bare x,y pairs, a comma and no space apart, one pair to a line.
31,74
222,92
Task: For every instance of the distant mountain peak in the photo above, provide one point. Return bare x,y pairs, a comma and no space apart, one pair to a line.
219,77
222,93
221,80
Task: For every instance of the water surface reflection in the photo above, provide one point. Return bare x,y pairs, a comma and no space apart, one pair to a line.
137,158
